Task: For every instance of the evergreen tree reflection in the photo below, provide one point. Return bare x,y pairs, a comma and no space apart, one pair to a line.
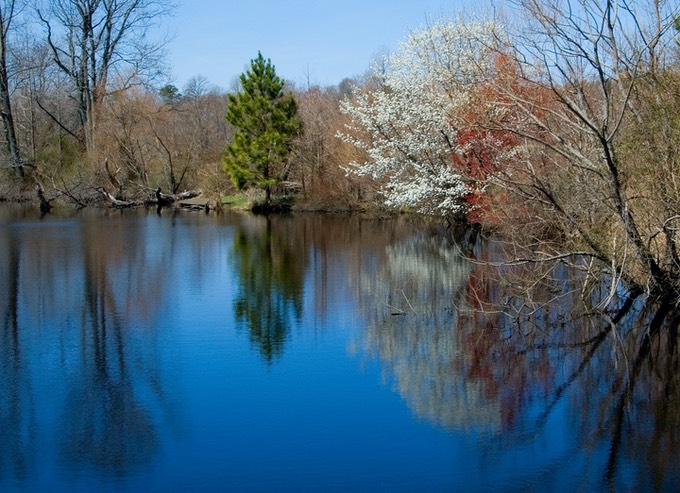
270,263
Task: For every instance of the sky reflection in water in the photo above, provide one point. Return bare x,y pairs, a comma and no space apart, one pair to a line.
156,353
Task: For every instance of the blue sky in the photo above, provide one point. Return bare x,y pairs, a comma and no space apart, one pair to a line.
316,40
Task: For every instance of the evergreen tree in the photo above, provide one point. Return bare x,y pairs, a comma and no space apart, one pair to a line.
265,121
169,94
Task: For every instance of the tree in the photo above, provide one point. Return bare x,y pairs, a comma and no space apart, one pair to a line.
94,42
407,124
317,167
8,12
169,94
265,122
595,177
197,86
175,144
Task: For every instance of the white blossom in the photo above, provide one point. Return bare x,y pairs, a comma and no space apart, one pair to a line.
406,126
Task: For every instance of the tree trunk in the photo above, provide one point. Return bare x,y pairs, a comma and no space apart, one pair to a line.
5,102
8,124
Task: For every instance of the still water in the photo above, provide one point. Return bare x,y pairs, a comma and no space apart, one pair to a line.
188,352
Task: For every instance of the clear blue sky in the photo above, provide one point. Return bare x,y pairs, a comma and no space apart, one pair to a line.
323,41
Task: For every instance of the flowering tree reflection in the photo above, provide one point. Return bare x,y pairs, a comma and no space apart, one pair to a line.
524,355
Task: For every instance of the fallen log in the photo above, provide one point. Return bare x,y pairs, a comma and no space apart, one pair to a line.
117,202
166,200
189,194
195,204
160,199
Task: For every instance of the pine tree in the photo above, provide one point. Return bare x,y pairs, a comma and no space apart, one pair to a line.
265,121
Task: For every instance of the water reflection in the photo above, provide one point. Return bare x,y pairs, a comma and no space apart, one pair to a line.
105,423
270,264
74,350
17,417
122,331
443,330
413,330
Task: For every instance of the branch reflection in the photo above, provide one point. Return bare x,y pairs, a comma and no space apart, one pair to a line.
78,346
17,413
468,350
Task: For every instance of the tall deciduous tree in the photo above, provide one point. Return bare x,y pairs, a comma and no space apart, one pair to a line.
8,12
265,121
96,41
599,162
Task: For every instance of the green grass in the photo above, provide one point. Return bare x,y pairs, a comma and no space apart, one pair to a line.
236,201
250,201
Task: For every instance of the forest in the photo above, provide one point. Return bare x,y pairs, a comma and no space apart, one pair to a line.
553,123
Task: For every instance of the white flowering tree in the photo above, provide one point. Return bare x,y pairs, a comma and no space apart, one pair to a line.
408,125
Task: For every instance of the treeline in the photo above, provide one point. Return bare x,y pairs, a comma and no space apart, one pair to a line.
86,108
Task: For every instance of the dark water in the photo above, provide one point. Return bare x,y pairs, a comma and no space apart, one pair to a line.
240,353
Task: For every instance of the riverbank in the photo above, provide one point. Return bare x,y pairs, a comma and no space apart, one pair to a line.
26,194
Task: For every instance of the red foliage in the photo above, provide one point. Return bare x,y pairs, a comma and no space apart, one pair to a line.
485,130
478,158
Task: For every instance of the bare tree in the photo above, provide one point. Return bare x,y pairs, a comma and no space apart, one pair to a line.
320,157
149,141
318,112
9,9
583,93
99,42
197,86
40,99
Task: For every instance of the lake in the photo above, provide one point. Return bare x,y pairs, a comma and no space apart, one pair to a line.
234,352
